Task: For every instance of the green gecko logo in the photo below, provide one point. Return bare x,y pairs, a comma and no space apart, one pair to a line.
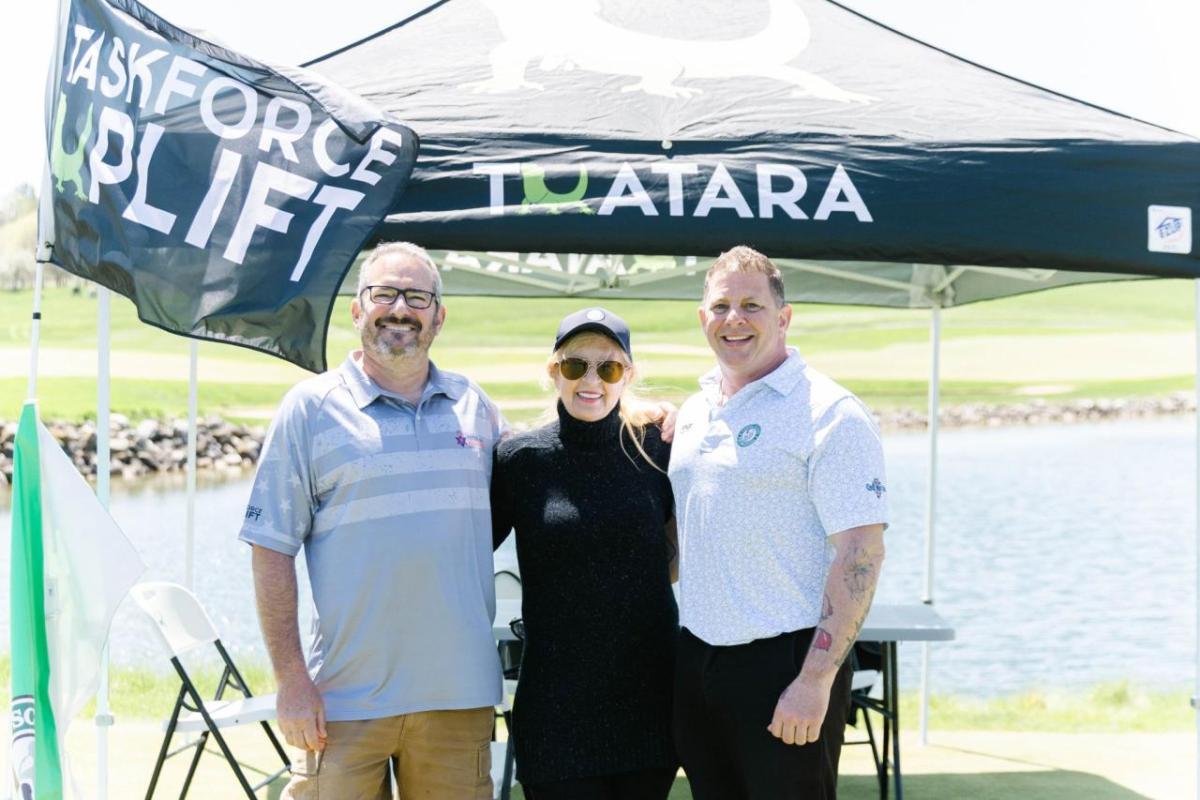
538,195
68,167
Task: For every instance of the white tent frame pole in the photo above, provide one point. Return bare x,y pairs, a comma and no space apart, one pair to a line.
530,275
189,556
104,719
935,348
45,215
571,284
35,329
1196,484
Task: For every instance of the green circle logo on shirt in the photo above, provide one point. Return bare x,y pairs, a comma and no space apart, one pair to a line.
748,435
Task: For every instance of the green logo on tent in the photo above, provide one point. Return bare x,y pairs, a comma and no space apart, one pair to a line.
539,196
68,167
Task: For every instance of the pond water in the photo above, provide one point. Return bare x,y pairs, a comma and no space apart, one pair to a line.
1065,556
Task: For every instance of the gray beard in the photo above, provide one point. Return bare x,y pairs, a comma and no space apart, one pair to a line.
376,344
379,348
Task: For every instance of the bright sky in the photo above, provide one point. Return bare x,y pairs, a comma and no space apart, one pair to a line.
1138,57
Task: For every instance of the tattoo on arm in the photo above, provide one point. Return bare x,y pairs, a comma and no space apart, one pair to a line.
850,640
860,574
860,571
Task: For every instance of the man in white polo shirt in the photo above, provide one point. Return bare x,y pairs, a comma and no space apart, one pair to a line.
781,506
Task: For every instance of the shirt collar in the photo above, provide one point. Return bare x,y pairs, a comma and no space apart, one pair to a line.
366,391
785,377
446,383
782,379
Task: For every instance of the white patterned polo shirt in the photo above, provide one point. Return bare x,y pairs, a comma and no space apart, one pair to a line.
760,484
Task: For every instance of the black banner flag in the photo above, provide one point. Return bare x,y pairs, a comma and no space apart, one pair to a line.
225,198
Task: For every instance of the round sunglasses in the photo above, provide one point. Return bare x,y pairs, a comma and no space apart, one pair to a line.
575,368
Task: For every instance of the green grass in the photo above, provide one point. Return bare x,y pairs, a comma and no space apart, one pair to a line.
511,337
914,394
144,693
75,398
145,696
1159,305
69,318
1117,707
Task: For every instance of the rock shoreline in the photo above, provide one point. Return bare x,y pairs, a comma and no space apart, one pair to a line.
149,447
1041,412
153,447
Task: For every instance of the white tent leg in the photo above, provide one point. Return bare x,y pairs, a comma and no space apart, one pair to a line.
189,564
935,347
35,333
1196,689
103,420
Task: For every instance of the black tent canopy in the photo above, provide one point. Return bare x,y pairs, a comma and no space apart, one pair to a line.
559,136
886,171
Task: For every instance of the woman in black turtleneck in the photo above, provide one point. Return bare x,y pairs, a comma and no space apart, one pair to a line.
589,500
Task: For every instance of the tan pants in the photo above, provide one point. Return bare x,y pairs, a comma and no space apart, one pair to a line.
436,755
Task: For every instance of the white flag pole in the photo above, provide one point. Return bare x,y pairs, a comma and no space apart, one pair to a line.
35,331
104,718
45,216
1196,542
189,563
935,342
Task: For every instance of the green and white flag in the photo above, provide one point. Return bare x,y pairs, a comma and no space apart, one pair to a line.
71,566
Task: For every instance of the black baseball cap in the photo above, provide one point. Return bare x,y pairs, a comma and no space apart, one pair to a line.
594,319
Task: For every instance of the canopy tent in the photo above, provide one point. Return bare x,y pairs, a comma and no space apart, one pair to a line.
599,276
879,170
796,126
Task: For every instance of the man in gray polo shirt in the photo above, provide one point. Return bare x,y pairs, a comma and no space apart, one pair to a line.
379,471
781,504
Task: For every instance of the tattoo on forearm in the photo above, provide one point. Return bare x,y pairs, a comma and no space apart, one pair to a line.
860,574
860,569
822,640
850,640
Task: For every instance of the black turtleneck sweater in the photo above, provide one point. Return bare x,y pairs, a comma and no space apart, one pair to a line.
600,619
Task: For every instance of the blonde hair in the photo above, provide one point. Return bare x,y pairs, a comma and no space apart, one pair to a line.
634,412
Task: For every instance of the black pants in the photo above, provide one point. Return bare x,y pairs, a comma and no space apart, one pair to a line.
724,700
645,784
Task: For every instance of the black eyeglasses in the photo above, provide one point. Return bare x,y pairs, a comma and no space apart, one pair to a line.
386,295
575,368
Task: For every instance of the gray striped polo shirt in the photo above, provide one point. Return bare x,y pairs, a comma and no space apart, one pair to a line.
390,504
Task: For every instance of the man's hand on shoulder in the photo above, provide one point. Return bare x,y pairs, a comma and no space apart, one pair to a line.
665,413
657,412
300,712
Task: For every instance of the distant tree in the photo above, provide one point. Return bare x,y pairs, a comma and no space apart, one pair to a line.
17,202
18,244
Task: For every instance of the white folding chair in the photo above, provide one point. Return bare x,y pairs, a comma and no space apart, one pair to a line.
508,587
183,626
